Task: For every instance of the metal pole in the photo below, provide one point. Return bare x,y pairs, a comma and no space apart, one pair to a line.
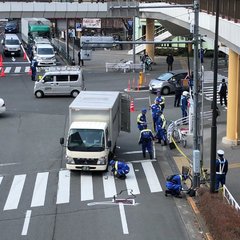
214,106
196,146
134,38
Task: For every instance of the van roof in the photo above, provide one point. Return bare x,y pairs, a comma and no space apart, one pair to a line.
45,45
63,70
41,40
11,36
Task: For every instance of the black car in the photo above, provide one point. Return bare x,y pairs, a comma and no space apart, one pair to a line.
11,27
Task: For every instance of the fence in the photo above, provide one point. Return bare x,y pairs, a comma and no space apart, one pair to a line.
230,198
125,67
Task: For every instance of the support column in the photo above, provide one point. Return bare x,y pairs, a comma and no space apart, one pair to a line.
233,108
150,37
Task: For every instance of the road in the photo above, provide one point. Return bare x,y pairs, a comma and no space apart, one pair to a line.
40,199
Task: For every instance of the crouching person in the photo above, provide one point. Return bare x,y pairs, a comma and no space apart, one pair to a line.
119,169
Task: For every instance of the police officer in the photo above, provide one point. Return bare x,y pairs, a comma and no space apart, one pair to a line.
160,128
161,99
184,105
146,138
221,169
119,169
142,119
33,67
155,109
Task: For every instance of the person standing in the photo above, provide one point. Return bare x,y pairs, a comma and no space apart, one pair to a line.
178,93
160,99
222,90
169,61
155,109
221,169
146,138
33,67
184,103
80,60
142,119
161,128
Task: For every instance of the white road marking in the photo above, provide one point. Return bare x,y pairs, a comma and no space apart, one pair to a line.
86,187
17,69
40,188
7,164
1,178
63,194
151,176
109,185
123,219
27,69
132,152
143,98
131,181
26,222
7,69
15,192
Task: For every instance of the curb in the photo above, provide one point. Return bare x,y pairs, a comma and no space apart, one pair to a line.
207,235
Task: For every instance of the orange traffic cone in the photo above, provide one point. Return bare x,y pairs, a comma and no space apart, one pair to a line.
132,109
2,73
1,59
24,56
1,64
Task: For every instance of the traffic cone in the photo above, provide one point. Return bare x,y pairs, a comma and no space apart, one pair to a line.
132,109
2,73
24,56
1,59
1,64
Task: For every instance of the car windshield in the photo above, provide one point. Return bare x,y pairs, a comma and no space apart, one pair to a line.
12,42
45,51
164,76
87,140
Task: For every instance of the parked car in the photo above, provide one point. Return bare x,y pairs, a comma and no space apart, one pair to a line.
2,106
166,81
11,27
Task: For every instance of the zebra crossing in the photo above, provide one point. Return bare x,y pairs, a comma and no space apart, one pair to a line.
19,69
208,94
109,184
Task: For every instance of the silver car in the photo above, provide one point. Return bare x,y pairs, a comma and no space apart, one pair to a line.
166,82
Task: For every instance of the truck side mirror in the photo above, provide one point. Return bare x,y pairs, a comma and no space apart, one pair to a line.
61,141
109,144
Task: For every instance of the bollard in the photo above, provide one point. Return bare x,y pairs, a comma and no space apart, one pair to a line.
140,80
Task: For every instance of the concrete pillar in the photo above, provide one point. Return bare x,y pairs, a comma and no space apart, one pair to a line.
150,37
233,108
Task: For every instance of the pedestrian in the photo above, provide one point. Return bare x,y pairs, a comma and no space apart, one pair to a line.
184,103
222,91
161,128
80,60
178,92
201,54
33,67
142,119
155,109
221,169
146,138
160,99
119,169
169,61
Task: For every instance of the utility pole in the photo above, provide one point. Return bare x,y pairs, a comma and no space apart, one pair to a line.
214,103
196,112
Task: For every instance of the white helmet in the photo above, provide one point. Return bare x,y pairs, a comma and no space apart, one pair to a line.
220,152
185,93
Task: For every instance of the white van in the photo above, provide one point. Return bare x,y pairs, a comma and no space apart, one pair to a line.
60,81
45,54
11,45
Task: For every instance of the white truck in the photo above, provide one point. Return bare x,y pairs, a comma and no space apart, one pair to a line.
95,121
35,27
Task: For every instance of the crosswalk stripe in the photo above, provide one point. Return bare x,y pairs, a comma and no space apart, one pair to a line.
1,178
17,70
131,181
27,69
86,186
63,193
15,192
152,178
109,185
40,188
7,69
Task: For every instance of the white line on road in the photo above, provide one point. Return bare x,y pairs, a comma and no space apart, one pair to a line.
40,188
26,222
123,219
86,186
143,98
109,185
131,181
152,178
15,192
132,152
7,164
17,70
63,194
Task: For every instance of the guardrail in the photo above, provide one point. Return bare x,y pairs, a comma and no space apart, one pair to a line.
230,198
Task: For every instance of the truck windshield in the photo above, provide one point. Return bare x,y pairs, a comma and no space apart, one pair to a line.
87,140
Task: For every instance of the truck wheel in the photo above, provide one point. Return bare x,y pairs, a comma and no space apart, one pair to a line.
39,94
74,93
